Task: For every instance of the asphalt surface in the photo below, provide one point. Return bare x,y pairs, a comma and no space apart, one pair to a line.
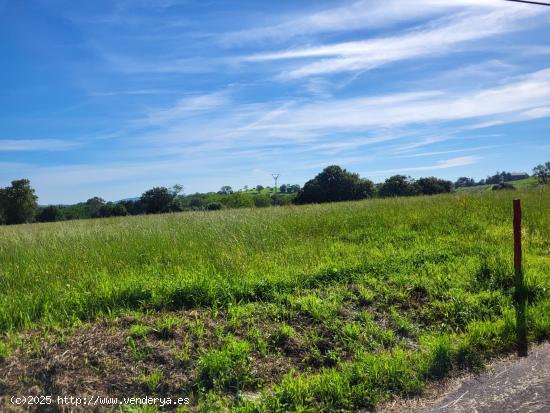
519,385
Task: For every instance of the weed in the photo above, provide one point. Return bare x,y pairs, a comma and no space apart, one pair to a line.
151,380
139,330
226,368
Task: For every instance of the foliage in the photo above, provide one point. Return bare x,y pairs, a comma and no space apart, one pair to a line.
503,186
501,177
214,206
112,210
50,213
237,200
94,205
433,185
289,189
226,368
160,199
226,190
133,207
464,181
262,200
399,185
335,184
18,202
542,172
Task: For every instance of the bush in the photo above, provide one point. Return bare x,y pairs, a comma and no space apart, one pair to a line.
262,200
49,214
238,200
503,186
214,206
281,199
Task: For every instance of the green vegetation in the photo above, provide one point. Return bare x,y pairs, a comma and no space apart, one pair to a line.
527,183
332,307
17,203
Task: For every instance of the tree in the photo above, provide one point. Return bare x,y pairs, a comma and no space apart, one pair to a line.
335,184
94,205
18,202
291,189
112,210
433,185
399,185
226,190
283,188
160,199
464,182
50,213
133,207
542,172
259,188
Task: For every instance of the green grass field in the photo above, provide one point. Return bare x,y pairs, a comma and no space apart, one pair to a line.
313,308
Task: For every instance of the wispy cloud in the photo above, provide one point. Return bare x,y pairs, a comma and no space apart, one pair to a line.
186,107
435,38
378,119
437,153
30,145
446,164
358,15
135,92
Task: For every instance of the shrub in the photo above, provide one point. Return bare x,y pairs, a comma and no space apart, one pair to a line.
503,186
214,206
49,214
262,200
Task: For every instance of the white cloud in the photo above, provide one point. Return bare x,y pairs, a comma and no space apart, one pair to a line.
436,153
507,102
378,119
357,15
188,106
28,145
446,164
436,38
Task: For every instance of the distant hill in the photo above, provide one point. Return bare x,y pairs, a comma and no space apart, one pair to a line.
530,182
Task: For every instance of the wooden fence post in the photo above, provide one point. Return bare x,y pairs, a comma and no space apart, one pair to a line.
520,292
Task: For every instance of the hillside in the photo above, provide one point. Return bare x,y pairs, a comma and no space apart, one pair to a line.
333,307
528,183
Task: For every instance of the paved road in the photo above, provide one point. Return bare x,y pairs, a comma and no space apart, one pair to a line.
515,385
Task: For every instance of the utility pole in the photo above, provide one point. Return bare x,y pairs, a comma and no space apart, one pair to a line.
520,293
275,177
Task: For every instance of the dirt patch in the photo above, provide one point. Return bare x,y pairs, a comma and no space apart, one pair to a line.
109,358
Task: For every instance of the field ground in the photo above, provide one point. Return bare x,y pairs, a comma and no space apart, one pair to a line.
319,308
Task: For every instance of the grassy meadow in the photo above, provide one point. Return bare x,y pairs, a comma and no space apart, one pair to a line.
319,308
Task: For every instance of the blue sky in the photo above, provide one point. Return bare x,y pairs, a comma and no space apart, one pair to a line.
110,98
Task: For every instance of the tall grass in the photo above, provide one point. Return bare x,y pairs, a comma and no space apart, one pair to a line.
371,299
62,272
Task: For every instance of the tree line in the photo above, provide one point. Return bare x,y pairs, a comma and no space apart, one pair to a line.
19,203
